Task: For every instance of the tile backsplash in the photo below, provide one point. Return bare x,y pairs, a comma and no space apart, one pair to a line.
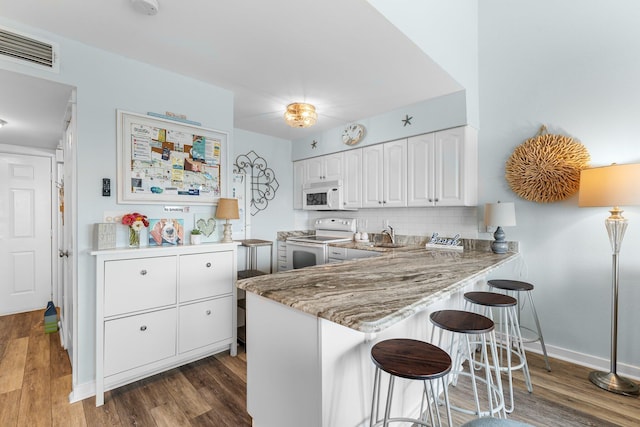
446,221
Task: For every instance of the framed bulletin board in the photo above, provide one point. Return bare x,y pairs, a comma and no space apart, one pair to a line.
163,161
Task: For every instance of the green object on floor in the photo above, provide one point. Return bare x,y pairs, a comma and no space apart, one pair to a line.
50,319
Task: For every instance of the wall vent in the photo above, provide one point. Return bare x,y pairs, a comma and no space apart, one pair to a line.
26,49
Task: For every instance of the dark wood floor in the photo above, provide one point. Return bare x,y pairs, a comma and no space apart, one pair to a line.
35,381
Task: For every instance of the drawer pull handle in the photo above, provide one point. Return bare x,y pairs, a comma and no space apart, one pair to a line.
208,312
143,272
208,264
143,328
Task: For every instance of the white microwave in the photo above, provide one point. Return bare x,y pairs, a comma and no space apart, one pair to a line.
323,196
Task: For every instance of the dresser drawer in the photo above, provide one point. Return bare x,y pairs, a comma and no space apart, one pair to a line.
206,275
134,341
138,284
205,323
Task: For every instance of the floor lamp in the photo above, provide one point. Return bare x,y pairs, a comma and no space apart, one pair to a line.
615,185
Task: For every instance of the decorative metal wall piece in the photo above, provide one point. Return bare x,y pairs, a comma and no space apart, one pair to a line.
263,179
546,168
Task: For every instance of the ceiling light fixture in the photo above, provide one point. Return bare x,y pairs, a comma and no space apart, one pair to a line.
300,115
147,7
2,123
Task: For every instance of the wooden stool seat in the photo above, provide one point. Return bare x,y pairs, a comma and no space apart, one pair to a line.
490,299
412,359
464,322
510,285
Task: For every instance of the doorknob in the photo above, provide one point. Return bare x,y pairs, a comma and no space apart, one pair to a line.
63,254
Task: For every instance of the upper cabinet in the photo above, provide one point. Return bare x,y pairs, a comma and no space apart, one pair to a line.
434,169
384,175
352,179
442,168
324,168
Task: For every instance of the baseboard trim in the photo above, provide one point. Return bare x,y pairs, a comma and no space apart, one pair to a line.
598,363
82,391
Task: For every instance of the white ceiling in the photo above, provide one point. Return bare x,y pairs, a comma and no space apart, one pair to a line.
340,55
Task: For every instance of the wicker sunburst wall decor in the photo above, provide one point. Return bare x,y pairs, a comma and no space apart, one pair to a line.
546,168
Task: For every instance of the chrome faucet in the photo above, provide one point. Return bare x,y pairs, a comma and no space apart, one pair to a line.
391,233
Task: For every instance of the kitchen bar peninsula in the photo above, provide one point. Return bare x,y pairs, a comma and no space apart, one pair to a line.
310,331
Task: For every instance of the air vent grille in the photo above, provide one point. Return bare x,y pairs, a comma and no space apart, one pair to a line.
27,49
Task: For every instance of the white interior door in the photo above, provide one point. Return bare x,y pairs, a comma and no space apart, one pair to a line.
25,232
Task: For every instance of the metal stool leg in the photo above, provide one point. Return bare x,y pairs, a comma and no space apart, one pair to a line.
535,318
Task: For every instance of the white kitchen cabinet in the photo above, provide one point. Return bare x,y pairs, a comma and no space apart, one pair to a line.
324,168
352,181
162,307
299,173
384,175
442,168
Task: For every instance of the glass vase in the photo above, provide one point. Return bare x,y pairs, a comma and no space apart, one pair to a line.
134,238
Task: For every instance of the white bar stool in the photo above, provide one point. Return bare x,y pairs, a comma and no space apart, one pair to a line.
467,329
509,339
516,287
414,360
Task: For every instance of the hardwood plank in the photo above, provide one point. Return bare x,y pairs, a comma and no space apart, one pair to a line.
237,364
130,406
12,364
183,391
60,364
63,413
169,415
9,408
104,416
35,401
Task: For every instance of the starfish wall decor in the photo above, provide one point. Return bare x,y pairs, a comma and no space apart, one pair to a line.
406,120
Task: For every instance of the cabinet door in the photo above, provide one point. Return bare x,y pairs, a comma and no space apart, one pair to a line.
333,166
206,275
298,183
395,173
135,341
138,284
353,179
314,169
448,167
205,323
372,176
420,170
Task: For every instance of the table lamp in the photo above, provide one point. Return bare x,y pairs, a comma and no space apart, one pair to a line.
614,186
499,215
227,209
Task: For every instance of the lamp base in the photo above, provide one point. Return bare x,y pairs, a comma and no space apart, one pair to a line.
226,237
499,245
614,383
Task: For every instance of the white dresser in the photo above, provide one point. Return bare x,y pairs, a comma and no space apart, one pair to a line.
162,307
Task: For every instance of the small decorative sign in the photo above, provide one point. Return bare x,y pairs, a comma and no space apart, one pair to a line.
184,209
437,242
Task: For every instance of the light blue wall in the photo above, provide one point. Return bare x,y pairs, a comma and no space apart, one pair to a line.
446,30
106,82
573,66
278,215
435,114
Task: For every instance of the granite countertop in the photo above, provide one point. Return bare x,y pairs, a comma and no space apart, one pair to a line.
371,294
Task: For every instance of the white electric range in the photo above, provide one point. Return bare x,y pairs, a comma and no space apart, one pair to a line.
305,251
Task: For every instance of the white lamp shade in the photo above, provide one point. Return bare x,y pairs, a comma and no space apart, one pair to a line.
500,214
615,185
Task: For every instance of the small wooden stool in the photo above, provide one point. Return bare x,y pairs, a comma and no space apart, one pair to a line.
516,287
509,338
414,360
469,329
